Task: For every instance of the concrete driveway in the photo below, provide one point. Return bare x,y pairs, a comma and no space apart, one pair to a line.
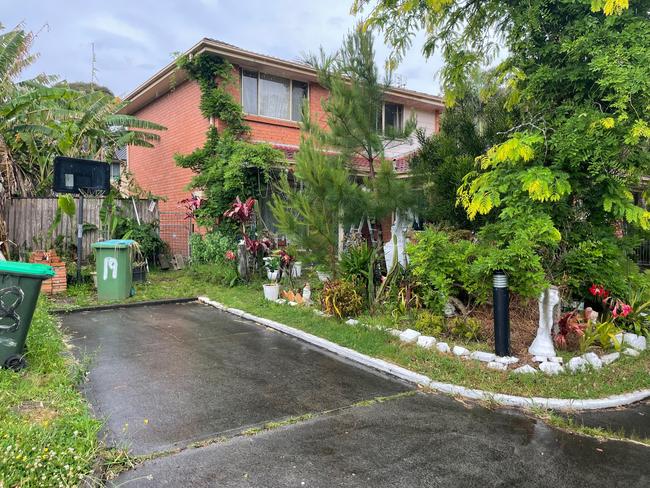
219,401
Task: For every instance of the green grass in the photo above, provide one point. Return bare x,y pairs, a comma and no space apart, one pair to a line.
47,434
625,375
570,425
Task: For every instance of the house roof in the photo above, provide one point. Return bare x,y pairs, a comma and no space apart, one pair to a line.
168,77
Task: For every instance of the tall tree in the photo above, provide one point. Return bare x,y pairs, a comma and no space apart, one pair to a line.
578,73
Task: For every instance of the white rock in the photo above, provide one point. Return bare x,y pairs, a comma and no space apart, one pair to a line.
486,357
409,336
293,304
449,310
636,342
577,364
525,369
460,351
556,359
551,368
426,341
619,337
593,359
631,352
394,332
442,347
507,359
319,313
280,301
352,322
495,365
610,358
540,359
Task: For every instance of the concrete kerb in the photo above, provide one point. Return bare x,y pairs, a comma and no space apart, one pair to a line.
559,404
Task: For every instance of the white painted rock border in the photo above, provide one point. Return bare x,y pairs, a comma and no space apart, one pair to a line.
420,379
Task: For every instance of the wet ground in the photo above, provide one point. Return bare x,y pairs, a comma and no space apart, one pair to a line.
167,376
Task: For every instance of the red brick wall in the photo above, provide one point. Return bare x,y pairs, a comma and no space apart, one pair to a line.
154,169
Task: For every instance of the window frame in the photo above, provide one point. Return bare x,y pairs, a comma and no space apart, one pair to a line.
383,116
119,171
258,114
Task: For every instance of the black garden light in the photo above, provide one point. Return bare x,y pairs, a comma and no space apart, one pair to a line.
501,314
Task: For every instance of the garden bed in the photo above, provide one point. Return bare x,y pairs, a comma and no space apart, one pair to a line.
625,375
48,436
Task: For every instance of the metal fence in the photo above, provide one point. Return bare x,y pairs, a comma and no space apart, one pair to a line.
642,254
175,230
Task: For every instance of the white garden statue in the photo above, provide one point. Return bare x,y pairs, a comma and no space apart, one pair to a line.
549,301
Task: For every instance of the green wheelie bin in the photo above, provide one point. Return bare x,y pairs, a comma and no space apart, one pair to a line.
114,266
20,285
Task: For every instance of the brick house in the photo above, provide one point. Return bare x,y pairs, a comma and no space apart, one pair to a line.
271,91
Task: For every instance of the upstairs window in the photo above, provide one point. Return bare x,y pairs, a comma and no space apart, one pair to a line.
272,96
390,117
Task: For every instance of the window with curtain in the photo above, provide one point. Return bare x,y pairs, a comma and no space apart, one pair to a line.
393,115
273,96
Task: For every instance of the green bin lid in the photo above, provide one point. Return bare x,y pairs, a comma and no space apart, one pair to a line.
34,270
113,244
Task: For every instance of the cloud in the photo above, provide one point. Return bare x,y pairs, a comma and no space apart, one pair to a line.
133,40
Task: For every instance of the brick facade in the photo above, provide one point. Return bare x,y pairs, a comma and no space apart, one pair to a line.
178,110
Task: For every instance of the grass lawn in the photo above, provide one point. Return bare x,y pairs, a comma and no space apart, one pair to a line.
625,375
47,434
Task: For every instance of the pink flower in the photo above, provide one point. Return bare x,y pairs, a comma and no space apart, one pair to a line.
230,256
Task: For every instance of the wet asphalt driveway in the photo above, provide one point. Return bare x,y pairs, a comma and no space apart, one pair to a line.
181,382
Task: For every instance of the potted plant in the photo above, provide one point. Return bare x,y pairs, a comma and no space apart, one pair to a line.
272,265
272,291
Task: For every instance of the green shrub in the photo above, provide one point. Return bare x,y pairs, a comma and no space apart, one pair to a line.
222,274
467,328
441,265
145,234
211,248
341,299
429,323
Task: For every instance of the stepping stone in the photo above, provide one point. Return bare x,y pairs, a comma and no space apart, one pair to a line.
460,351
593,359
485,357
631,352
409,336
525,369
577,364
610,358
495,365
442,347
352,322
507,359
551,368
426,341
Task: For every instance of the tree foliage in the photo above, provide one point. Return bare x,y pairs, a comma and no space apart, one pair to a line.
577,73
228,165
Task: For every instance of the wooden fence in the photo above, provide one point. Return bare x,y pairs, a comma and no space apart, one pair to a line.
29,219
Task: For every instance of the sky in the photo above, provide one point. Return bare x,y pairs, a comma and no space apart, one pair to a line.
133,39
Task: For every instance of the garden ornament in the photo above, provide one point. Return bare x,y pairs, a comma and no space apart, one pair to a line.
549,302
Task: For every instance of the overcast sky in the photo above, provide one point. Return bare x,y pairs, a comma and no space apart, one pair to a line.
135,38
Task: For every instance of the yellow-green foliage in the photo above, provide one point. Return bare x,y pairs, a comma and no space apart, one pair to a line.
341,299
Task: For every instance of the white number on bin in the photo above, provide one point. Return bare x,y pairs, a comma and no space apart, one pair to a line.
110,264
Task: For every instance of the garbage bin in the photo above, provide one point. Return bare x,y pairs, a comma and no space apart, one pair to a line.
114,269
20,285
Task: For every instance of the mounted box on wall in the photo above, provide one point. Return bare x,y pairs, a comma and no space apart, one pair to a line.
72,175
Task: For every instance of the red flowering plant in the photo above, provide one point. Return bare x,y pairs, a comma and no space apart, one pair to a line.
191,205
617,306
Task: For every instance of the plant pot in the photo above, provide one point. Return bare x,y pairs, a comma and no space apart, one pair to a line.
140,274
272,275
323,277
272,291
296,270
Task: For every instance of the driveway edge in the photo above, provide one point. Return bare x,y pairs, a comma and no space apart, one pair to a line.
559,404
111,306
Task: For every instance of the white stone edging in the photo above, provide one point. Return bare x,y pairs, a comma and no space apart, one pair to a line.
448,388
